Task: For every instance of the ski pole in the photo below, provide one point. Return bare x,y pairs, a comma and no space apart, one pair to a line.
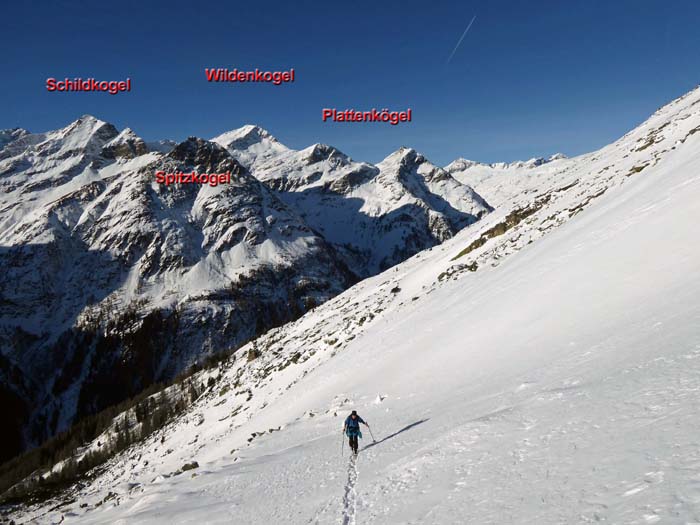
370,433
342,444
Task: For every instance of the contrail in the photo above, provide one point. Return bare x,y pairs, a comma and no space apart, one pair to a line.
462,38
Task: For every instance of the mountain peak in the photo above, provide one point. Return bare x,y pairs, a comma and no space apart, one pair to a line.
207,155
125,135
319,152
461,164
251,145
88,118
9,135
244,136
88,125
125,145
252,129
535,161
402,158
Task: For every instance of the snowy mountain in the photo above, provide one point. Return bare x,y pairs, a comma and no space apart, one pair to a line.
251,145
375,216
461,164
484,175
114,282
539,367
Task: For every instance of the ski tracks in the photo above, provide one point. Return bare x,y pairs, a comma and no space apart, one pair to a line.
350,497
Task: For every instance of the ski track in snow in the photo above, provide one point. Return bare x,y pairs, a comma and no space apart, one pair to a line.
350,497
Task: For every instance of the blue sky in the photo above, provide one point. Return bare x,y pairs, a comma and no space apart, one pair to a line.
531,78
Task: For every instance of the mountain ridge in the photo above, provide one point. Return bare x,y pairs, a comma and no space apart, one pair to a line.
99,255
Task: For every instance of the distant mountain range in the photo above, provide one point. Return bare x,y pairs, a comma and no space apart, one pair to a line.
112,282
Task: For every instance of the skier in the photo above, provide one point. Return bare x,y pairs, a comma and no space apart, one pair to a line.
352,429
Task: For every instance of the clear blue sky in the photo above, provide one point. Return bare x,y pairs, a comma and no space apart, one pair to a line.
530,78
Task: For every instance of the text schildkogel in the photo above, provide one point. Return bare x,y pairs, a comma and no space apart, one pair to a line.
89,84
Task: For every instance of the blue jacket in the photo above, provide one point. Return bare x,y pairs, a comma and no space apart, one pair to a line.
353,425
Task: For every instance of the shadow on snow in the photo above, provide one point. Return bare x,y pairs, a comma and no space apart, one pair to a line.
404,429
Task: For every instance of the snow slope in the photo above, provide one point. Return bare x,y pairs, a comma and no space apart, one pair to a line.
557,380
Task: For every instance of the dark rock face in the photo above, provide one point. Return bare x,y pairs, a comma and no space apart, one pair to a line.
16,410
127,149
207,155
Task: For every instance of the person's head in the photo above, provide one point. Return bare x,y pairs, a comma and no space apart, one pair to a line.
353,414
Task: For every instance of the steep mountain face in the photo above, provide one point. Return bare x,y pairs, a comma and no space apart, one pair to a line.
113,281
539,367
375,216
126,145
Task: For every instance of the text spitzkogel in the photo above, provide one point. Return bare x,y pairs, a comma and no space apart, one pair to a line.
179,177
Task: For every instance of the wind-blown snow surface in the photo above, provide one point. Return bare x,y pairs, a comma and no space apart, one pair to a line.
559,384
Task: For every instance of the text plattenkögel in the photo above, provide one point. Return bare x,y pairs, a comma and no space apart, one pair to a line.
374,115
233,75
179,177
89,84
